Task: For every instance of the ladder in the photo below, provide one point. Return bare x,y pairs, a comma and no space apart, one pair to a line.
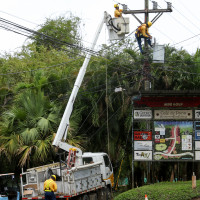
71,158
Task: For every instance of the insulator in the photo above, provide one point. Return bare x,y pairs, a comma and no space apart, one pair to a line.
169,5
155,5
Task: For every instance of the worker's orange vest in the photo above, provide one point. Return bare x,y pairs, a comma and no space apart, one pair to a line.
139,30
47,188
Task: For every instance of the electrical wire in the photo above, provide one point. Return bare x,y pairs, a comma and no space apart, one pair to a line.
46,36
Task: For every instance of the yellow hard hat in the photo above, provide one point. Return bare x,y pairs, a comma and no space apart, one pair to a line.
53,176
149,24
116,6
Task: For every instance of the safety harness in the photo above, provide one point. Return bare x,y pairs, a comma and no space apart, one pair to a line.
139,30
47,188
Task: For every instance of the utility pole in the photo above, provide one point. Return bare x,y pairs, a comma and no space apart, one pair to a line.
146,11
146,65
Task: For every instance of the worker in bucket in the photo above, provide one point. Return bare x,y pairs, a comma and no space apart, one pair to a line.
50,187
142,32
118,12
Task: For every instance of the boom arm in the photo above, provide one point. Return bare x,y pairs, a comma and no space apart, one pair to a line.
61,134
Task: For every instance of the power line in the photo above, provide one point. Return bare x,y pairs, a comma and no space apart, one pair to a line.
46,36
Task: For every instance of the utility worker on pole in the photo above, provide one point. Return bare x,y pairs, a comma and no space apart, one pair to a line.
50,187
118,12
142,32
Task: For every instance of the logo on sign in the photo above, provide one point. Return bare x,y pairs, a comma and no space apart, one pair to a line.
142,114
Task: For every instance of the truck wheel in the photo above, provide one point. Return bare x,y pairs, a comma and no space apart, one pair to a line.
93,196
108,194
85,197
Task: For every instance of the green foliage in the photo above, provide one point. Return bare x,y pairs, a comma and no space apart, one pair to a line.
164,191
60,32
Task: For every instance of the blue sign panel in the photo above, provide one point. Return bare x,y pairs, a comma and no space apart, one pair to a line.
197,130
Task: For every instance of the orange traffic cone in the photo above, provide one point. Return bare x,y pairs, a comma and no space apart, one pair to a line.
146,198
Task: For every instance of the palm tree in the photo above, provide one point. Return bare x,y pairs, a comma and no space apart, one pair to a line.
27,128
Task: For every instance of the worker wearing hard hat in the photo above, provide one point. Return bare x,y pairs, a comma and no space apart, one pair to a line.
142,32
118,12
50,187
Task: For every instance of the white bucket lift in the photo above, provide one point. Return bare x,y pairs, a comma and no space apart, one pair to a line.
117,27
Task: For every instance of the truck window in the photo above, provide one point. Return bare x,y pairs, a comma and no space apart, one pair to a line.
87,160
107,162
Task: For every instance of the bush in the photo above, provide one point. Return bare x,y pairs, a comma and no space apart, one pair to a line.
162,191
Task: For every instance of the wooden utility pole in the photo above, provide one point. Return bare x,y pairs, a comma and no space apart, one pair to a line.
146,11
146,65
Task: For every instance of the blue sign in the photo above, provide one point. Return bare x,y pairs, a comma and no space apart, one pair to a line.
197,130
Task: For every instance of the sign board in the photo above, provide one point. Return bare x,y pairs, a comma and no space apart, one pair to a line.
143,155
197,130
173,114
197,145
142,135
142,145
172,102
142,114
197,114
197,155
175,143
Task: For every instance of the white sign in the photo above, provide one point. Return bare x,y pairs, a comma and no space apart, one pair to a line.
173,114
197,155
142,155
186,142
197,145
197,114
142,114
142,145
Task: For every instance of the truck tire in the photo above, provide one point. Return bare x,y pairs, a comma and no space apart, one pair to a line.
93,196
108,194
85,197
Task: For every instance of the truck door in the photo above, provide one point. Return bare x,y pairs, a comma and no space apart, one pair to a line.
108,169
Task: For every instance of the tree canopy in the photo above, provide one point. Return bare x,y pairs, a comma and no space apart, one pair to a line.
36,83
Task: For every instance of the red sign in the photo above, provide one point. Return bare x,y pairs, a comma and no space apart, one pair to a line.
168,102
142,135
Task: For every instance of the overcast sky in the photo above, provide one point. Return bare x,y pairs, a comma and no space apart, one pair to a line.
171,28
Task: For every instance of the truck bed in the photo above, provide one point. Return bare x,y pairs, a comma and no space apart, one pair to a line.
76,181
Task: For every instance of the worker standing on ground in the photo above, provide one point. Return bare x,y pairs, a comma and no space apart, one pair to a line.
50,187
118,12
142,32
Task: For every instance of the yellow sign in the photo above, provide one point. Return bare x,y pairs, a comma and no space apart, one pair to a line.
162,140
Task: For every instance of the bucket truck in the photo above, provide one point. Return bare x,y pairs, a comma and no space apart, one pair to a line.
84,176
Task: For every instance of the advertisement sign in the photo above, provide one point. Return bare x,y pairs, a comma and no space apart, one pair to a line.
142,114
176,143
173,114
142,145
197,135
197,130
143,155
197,145
197,155
142,135
197,114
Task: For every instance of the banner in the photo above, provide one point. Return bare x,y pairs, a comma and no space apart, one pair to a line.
142,145
143,155
173,114
142,135
142,114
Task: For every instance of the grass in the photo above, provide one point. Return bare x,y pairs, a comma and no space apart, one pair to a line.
163,190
